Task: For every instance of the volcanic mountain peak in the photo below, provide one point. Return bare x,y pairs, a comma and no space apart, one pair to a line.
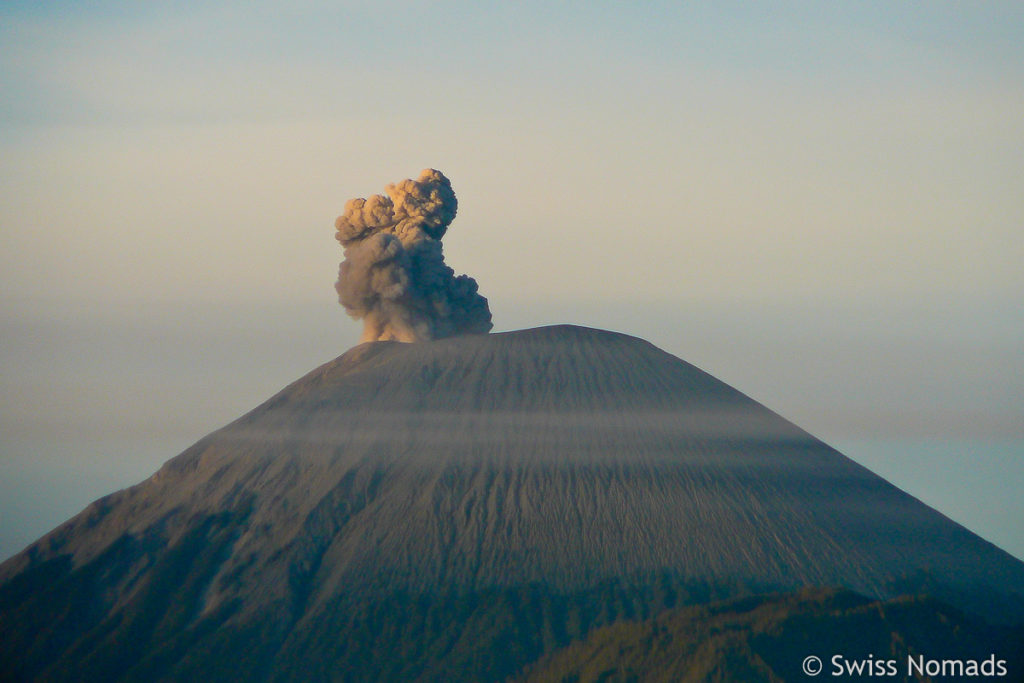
584,464
561,368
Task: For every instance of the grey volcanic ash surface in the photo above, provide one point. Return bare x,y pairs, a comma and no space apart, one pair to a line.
434,493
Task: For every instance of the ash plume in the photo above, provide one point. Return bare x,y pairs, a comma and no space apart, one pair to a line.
394,276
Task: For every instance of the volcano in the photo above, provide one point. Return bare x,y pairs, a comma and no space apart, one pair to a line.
455,509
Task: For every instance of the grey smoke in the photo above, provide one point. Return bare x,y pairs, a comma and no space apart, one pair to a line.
394,277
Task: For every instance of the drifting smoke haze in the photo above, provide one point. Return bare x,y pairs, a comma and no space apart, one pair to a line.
394,277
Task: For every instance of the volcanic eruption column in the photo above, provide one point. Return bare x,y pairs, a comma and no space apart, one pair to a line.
394,276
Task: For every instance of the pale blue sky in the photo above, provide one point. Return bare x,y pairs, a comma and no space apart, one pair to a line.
819,203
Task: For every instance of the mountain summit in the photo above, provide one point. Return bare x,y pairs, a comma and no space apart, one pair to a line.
453,509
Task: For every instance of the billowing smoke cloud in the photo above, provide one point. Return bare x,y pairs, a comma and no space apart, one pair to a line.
394,276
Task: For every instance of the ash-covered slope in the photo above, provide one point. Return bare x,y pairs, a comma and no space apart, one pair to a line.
447,484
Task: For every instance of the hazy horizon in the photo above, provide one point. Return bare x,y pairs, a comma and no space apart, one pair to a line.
818,205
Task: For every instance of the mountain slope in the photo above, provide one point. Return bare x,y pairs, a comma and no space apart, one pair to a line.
767,638
424,503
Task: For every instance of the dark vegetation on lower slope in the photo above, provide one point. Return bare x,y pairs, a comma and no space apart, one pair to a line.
766,638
